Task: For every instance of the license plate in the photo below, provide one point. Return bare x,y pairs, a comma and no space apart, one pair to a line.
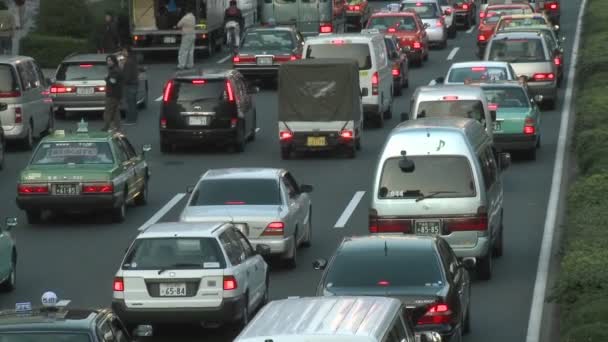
84,91
65,189
497,126
169,40
428,228
363,73
198,120
264,60
316,141
172,289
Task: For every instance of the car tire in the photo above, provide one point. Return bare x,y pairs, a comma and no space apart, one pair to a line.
467,22
466,329
142,197
144,103
2,151
266,297
244,319
33,216
165,146
425,57
444,44
397,90
484,267
308,241
239,144
28,141
498,248
358,142
452,31
254,126
120,214
406,83
292,262
550,104
538,143
51,124
388,113
11,282
531,153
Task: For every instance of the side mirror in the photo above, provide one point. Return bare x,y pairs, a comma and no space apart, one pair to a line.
440,80
143,331
11,222
426,25
505,160
146,148
319,264
263,250
493,115
405,116
3,106
428,336
538,98
469,263
190,189
253,90
364,92
305,188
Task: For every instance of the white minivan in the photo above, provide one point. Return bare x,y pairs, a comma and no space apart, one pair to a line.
375,69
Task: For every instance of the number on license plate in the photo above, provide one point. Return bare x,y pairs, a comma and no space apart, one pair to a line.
428,228
169,40
172,289
84,91
264,60
198,120
65,189
497,126
316,141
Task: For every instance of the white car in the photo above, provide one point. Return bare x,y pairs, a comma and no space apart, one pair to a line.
176,273
266,204
477,71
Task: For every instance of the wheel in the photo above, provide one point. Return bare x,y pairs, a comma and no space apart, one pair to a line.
351,151
308,241
51,124
266,297
144,103
467,23
379,120
28,141
444,44
285,153
292,262
498,246
2,150
388,113
142,197
11,282
484,267
397,90
406,83
550,104
452,31
255,123
244,316
120,214
531,153
538,142
426,56
33,216
358,142
239,144
165,146
466,329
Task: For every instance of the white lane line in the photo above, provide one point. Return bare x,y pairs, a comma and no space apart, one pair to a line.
350,208
540,285
471,29
162,212
453,53
223,59
158,98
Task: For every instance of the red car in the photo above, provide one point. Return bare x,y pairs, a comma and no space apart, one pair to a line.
552,11
489,19
409,30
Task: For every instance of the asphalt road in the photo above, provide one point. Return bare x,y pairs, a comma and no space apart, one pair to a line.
77,257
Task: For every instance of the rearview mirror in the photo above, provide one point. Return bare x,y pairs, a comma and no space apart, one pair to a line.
3,106
405,116
505,160
493,115
305,188
263,250
538,98
428,336
11,222
146,148
143,331
440,80
469,263
364,92
319,264
190,189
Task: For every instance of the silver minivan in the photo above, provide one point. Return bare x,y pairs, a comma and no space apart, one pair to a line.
441,176
23,88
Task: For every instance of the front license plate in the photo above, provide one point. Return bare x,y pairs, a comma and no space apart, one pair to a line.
172,289
85,91
65,189
198,120
316,141
497,126
264,60
169,40
428,228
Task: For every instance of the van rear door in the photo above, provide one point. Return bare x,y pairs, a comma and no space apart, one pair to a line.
305,14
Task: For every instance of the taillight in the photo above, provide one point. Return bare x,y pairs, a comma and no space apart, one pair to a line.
285,58
243,59
437,314
230,283
236,59
168,91
417,45
346,134
482,14
439,24
97,189
100,89
326,28
386,225
493,106
285,135
557,61
373,221
274,229
396,71
481,38
354,8
294,57
229,91
375,83
465,6
529,126
119,284
61,89
478,222
552,6
5,94
391,30
543,77
18,115
25,189
234,122
163,122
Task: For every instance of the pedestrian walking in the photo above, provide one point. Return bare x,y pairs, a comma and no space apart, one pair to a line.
185,58
20,4
114,84
7,29
108,40
130,71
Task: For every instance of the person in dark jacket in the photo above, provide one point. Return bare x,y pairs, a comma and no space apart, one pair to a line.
114,81
109,40
130,71
234,14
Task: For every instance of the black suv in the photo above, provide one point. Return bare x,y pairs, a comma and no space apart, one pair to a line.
212,107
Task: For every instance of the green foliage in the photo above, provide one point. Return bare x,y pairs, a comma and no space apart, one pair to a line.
49,51
592,308
593,332
67,18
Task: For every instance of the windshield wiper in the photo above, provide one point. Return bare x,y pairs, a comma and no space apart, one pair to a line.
433,194
174,266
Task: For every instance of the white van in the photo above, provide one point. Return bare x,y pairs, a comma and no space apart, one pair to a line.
375,69
440,176
333,319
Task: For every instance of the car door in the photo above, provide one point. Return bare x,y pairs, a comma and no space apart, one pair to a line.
126,169
139,163
27,100
240,267
258,275
493,186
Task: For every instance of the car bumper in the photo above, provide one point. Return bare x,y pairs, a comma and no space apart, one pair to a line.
461,17
553,17
220,135
371,110
80,106
14,132
77,203
255,71
436,36
414,54
277,246
228,311
508,142
480,249
299,143
547,89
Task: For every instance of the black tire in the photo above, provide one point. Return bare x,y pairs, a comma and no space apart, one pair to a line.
255,124
426,56
10,283
266,297
351,151
443,45
397,90
244,319
292,262
165,146
142,197
120,214
549,104
498,249
33,216
379,120
144,103
484,267
452,31
308,242
406,83
239,144
388,113
2,152
51,124
466,325
358,142
467,23
538,143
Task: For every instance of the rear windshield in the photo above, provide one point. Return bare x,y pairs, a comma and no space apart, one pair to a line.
237,192
82,71
197,90
174,253
507,97
8,81
268,40
44,337
517,50
448,176
58,153
521,22
460,75
492,16
400,23
426,10
358,52
472,109
400,267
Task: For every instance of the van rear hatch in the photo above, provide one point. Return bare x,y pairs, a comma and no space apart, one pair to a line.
346,48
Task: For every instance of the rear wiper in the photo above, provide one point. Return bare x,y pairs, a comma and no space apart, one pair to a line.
433,194
176,266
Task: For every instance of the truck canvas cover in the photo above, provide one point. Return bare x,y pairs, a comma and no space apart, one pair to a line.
319,90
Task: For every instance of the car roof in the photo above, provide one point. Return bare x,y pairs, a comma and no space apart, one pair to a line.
517,35
244,172
181,229
6,59
366,318
449,90
41,319
211,73
86,57
377,241
519,5
479,64
501,83
424,1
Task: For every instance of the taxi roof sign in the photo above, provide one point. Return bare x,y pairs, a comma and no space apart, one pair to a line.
23,307
83,126
393,7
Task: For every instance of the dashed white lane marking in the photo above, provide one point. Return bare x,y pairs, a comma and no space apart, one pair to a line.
162,211
471,29
350,208
223,59
453,53
158,98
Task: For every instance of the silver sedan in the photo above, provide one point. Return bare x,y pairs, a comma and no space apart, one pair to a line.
266,204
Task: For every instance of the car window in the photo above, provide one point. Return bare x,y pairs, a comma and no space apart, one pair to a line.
506,97
8,79
292,182
339,49
176,253
233,248
390,46
192,91
400,23
39,74
489,168
479,73
45,336
493,15
82,71
449,174
425,10
238,192
244,243
60,153
471,109
24,75
278,39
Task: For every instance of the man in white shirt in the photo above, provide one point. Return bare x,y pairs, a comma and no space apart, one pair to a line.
185,58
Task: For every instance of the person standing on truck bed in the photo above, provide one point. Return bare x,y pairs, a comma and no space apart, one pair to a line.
109,39
185,58
233,13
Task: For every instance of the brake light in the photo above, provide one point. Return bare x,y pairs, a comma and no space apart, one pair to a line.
86,65
482,15
234,122
163,123
61,89
230,283
198,82
553,6
346,134
439,24
236,59
98,189
529,126
478,69
168,91
396,71
481,38
450,98
138,38
100,89
285,58
478,222
338,41
557,61
32,189
391,30
375,83
274,229
229,91
437,314
465,6
119,284
417,45
492,106
384,283
18,115
293,58
354,8
326,28
6,94
285,135
543,77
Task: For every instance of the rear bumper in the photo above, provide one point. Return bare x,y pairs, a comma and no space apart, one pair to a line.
547,89
277,246
298,143
437,36
14,132
77,203
506,142
220,135
228,311
461,17
255,71
480,249
414,54
98,104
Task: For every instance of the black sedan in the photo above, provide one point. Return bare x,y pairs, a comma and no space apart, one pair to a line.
422,272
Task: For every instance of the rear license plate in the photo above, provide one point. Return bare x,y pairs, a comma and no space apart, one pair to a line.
428,228
264,60
84,91
172,289
497,126
198,120
169,40
316,141
65,189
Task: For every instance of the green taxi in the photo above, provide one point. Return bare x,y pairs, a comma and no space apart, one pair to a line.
83,172
517,125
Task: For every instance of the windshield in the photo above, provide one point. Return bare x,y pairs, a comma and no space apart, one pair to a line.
425,10
45,336
237,192
59,153
8,81
271,40
517,50
459,75
196,90
492,16
521,22
507,97
358,52
82,71
400,23
174,253
472,109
